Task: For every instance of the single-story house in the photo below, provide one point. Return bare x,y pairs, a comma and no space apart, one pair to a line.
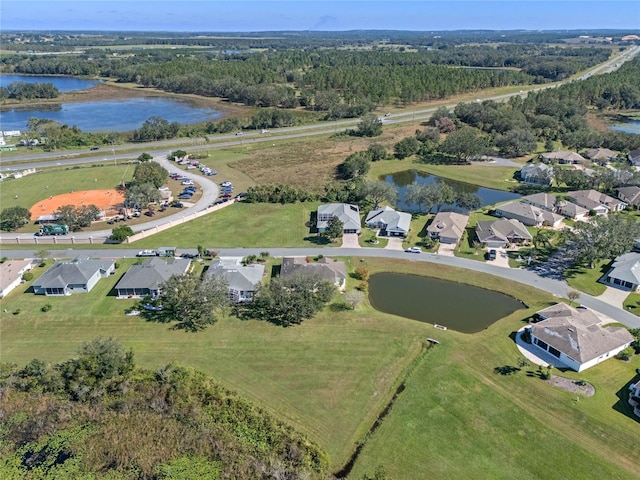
528,214
448,227
630,195
601,155
243,280
576,337
326,268
165,195
11,273
541,200
625,272
348,214
634,397
596,201
563,156
571,210
77,276
389,221
148,277
500,233
536,174
634,158
47,219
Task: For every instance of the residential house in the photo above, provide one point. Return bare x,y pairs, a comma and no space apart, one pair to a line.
600,203
571,210
348,214
500,233
11,273
634,158
77,276
536,174
165,195
448,227
563,156
634,397
625,272
630,195
389,221
601,155
148,277
528,214
576,337
544,201
243,280
326,268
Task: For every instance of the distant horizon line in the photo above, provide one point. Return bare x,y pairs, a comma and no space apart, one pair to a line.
353,30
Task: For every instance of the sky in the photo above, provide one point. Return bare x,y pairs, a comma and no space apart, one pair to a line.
336,15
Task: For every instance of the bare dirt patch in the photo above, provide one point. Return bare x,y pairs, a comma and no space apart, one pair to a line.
108,200
573,386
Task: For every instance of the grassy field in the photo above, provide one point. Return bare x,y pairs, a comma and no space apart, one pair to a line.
243,225
332,375
586,279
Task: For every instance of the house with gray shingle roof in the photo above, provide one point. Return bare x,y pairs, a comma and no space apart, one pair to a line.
448,227
625,272
536,174
11,273
543,200
596,201
77,276
601,155
148,277
571,210
499,233
630,195
389,221
348,214
243,280
325,268
576,337
634,158
528,214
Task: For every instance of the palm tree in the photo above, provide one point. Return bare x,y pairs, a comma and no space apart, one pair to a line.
542,238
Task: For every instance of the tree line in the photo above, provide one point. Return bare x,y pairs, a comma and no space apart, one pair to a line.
28,91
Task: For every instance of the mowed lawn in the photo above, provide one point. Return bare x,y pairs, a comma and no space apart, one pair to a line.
31,189
242,225
332,375
328,377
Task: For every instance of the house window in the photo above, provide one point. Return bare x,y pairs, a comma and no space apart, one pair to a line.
540,343
555,352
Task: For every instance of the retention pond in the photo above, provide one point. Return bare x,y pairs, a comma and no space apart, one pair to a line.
457,306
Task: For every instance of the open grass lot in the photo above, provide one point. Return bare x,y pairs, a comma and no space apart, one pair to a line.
243,225
35,187
332,375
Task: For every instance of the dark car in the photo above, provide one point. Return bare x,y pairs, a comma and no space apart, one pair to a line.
492,254
184,197
226,195
177,204
150,213
241,195
219,202
95,148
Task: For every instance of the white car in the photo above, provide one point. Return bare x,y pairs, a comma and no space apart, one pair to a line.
238,134
413,250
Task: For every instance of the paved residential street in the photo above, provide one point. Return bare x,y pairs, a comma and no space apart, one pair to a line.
558,288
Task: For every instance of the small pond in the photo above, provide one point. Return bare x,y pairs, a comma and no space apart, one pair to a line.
401,180
63,84
457,306
630,126
111,116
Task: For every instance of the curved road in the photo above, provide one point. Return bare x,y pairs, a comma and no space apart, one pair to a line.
526,277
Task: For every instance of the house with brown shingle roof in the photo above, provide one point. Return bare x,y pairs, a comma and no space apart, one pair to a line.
528,214
601,154
596,201
563,156
325,268
576,337
630,195
499,233
448,227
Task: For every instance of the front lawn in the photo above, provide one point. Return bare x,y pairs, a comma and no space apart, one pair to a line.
586,279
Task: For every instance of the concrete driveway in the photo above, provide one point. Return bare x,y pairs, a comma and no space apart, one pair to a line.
447,249
614,296
350,240
394,243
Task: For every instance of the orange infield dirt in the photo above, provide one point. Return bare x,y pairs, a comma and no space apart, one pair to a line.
108,200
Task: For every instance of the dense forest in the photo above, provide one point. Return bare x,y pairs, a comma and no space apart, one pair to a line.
97,416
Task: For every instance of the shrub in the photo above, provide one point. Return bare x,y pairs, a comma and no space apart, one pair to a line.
17,311
361,273
46,307
27,276
624,355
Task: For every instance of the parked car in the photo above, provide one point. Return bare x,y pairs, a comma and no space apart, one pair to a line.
219,202
413,250
187,182
177,204
95,148
150,213
226,184
239,134
492,254
241,195
184,196
226,195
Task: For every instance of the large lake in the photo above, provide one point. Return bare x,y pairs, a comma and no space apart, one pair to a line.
402,180
104,116
632,126
457,306
63,84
